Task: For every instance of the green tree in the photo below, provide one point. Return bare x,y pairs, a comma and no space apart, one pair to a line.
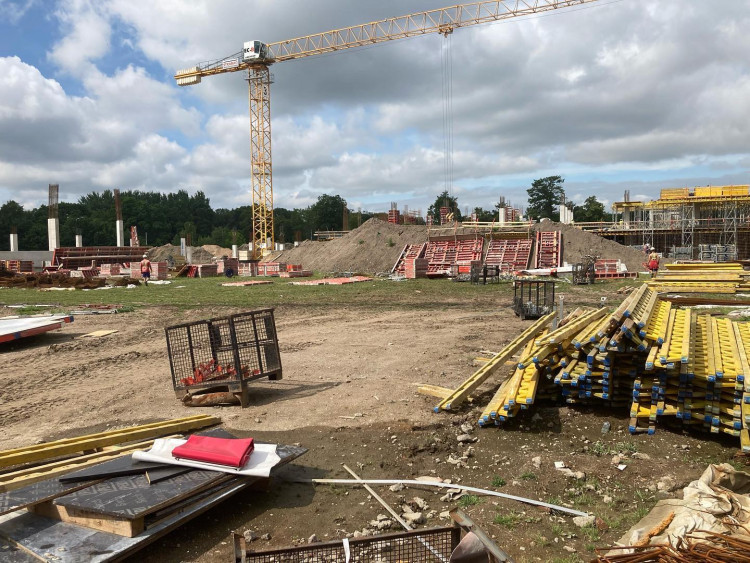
327,213
545,195
591,210
484,215
445,200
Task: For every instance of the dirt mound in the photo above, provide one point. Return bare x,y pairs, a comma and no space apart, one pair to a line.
374,247
217,251
171,253
578,243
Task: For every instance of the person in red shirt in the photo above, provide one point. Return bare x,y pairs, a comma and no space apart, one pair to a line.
145,269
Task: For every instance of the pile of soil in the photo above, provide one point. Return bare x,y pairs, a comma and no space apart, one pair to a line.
578,243
374,247
201,254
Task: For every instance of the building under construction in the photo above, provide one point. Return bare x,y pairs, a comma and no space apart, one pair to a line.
702,223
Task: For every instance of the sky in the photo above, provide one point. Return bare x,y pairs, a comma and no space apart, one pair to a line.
615,95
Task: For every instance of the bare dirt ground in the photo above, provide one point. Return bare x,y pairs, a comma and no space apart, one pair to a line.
349,394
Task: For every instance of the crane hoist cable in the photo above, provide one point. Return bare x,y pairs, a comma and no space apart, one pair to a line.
447,89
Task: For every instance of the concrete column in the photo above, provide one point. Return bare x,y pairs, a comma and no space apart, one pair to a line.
79,241
14,242
53,233
626,218
234,251
182,247
189,254
501,216
120,231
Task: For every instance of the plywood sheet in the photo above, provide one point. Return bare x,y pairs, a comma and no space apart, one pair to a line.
132,496
36,493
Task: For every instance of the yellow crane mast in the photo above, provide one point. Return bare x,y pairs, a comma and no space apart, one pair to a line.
256,57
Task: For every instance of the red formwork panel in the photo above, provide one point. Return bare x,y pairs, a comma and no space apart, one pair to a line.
548,249
409,252
509,255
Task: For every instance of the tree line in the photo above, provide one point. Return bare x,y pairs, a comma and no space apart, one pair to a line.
165,218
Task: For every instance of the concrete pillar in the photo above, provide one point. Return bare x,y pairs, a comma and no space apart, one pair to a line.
626,218
501,216
182,247
53,233
120,230
234,251
79,241
189,254
14,242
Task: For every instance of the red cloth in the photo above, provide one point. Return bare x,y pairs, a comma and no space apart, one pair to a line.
653,265
233,452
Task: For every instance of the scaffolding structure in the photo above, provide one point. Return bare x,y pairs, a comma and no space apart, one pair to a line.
683,220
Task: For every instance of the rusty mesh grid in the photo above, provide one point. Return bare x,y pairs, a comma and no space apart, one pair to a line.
224,350
418,546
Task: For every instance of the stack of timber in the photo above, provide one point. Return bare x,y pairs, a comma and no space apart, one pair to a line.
702,277
104,506
664,363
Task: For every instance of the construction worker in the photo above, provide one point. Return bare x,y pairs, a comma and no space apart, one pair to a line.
145,269
653,262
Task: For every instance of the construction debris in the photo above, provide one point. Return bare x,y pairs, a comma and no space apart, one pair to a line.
666,363
712,514
111,511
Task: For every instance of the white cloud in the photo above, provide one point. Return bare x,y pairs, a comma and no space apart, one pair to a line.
87,36
13,11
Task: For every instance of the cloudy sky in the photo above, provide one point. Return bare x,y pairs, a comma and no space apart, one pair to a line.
613,95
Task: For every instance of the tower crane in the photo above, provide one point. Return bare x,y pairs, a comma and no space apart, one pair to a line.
256,58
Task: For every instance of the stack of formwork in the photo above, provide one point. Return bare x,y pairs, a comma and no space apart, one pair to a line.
548,249
703,277
409,252
681,252
468,252
667,364
247,269
206,270
394,216
717,252
271,268
222,266
296,273
509,255
20,266
106,270
415,268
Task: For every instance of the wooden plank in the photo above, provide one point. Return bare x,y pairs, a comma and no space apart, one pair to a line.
23,477
92,441
98,333
462,392
120,526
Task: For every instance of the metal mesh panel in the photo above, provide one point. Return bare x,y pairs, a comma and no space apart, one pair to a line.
224,350
433,545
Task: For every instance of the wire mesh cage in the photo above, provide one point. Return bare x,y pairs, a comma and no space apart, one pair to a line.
225,351
533,299
429,545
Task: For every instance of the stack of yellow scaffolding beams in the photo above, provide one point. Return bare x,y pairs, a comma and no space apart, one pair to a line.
702,277
664,362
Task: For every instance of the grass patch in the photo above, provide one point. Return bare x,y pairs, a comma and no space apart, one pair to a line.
625,447
528,476
507,520
33,310
498,481
591,533
469,500
190,293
